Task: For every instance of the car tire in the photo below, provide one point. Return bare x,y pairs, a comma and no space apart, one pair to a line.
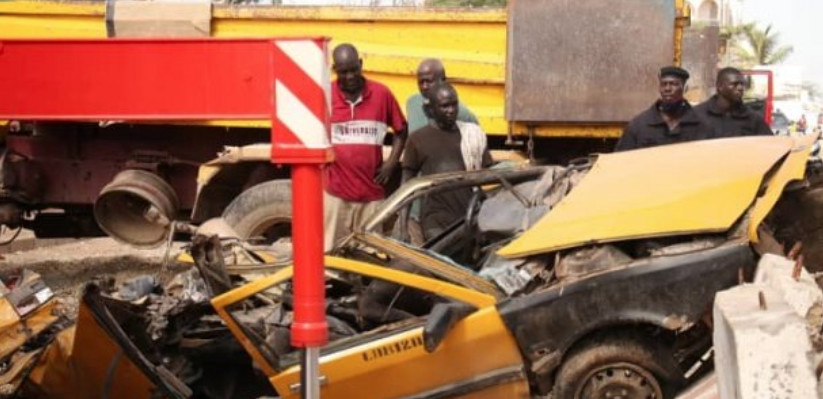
264,210
623,364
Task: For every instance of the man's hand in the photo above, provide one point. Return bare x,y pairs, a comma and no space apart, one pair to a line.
386,171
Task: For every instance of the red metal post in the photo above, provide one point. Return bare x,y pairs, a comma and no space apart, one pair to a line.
769,107
770,100
309,326
300,125
300,136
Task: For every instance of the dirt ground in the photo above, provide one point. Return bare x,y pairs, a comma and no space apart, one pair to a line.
66,265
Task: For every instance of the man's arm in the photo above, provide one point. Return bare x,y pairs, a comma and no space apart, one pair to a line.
487,158
397,121
412,161
411,168
409,174
397,145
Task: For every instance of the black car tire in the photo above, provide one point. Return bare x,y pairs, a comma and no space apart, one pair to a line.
263,210
623,364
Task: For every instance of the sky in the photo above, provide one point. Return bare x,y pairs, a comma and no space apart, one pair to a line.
800,23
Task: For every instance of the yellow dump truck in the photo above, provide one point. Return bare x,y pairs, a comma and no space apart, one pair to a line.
556,78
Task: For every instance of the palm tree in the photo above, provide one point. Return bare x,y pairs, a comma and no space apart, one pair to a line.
754,46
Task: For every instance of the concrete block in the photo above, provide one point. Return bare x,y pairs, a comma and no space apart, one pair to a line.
803,295
761,353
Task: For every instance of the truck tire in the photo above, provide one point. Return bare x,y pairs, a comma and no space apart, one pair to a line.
617,365
264,210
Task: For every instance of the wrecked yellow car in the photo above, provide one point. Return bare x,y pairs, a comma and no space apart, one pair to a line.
591,280
29,318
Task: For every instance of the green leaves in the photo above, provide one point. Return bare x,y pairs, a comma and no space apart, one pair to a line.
753,46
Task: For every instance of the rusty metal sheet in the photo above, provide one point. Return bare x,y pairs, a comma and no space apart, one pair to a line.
700,59
163,18
585,60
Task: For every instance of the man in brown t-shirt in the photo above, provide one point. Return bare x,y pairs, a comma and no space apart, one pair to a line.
444,145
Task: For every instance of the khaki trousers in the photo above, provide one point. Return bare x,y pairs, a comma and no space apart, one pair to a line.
340,217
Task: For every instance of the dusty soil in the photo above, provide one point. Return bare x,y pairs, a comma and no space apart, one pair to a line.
67,265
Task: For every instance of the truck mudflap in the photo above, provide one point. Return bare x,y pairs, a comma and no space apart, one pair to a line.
670,292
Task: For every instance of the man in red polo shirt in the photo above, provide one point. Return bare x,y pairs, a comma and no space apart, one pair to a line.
362,113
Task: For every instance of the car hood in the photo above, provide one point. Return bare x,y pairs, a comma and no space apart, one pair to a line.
697,187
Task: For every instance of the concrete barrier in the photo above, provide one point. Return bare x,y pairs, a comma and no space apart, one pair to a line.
761,335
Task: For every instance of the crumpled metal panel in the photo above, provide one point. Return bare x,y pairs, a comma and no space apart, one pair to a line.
689,188
585,60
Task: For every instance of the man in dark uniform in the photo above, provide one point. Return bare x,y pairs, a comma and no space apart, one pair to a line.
725,111
669,120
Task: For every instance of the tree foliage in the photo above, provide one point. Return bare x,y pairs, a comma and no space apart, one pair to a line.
752,45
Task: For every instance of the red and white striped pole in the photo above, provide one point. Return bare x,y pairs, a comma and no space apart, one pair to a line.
300,137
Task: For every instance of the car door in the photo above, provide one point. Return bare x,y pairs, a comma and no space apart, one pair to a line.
478,357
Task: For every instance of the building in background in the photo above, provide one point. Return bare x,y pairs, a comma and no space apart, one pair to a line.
703,45
717,12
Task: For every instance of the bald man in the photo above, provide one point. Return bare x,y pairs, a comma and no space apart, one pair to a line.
363,111
429,72
445,145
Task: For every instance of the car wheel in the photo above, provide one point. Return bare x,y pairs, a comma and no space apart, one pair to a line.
263,210
619,366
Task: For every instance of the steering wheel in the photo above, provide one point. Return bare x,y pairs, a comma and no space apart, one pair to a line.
470,227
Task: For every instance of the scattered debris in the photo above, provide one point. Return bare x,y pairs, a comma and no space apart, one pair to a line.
30,316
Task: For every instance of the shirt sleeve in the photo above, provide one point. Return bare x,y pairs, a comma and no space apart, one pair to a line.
412,159
394,117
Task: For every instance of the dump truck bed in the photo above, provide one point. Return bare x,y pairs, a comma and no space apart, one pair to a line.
393,40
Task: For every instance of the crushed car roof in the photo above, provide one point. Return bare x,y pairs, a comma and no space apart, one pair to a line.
696,187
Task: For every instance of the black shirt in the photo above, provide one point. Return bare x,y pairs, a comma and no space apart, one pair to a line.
740,121
431,150
649,129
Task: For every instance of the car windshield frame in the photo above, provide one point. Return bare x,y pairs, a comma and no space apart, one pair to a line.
370,232
426,185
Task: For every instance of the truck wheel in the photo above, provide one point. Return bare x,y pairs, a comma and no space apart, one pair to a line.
263,211
617,366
